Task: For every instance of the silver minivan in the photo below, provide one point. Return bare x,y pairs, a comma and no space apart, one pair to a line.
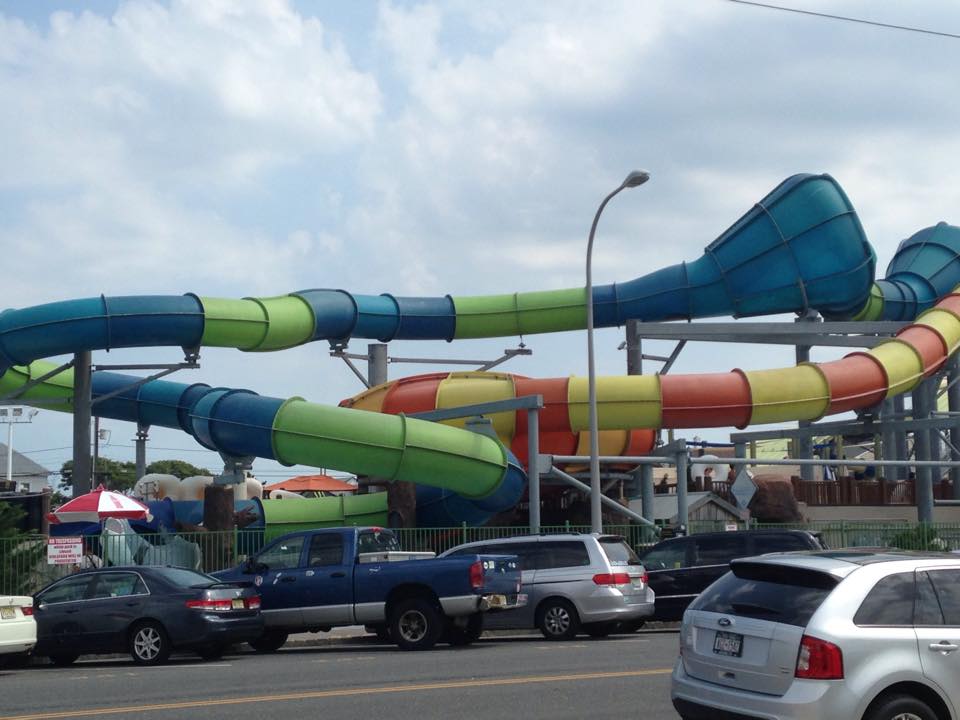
573,582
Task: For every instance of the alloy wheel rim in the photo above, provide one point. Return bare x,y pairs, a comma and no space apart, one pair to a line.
147,643
413,626
557,620
907,716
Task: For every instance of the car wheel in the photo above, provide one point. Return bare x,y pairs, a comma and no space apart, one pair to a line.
415,624
63,659
149,644
211,652
467,631
901,707
558,619
599,630
270,641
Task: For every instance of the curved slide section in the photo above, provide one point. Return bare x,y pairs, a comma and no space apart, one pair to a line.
800,247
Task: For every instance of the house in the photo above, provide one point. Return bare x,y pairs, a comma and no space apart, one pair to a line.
701,506
27,475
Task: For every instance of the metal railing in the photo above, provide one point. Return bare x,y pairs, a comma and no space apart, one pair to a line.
24,569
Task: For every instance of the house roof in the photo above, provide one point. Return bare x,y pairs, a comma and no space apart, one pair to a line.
665,505
22,465
314,483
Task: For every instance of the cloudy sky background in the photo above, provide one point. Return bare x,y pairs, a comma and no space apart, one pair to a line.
418,148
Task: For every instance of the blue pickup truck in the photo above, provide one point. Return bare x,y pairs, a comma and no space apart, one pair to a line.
319,579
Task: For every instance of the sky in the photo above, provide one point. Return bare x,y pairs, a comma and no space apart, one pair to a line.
425,148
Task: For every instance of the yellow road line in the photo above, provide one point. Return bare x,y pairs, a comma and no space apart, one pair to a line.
286,697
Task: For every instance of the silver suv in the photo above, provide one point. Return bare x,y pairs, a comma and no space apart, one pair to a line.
845,634
573,582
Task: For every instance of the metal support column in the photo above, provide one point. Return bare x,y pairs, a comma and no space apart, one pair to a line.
647,491
376,363
682,512
921,446
888,439
804,445
634,348
900,439
953,405
143,433
82,409
533,467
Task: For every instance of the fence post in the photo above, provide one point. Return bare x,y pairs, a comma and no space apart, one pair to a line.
463,530
843,534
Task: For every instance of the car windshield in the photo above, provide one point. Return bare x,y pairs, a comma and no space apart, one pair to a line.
777,593
618,552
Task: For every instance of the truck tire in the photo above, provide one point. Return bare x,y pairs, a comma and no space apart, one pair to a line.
270,641
415,624
466,631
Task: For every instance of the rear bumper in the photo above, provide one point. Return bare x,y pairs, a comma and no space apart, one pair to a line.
608,604
217,630
804,700
18,637
469,604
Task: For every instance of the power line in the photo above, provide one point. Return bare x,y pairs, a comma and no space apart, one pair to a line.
861,21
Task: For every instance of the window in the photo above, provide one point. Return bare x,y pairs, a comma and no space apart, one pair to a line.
526,552
562,554
763,543
618,552
285,554
184,578
946,588
669,556
378,540
326,549
928,610
775,593
69,590
890,602
118,585
719,549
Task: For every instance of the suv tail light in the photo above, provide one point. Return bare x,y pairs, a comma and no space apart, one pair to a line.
819,660
645,579
476,575
27,610
612,579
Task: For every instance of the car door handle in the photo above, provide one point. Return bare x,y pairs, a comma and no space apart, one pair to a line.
338,574
944,647
288,578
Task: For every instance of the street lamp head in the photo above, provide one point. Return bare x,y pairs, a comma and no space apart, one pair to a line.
635,178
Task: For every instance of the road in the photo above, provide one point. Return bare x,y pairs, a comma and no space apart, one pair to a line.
499,677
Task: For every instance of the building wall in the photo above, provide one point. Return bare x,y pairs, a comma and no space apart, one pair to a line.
886,513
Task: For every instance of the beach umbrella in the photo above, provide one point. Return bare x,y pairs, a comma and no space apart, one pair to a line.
98,505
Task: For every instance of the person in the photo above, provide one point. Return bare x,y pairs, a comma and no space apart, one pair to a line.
90,559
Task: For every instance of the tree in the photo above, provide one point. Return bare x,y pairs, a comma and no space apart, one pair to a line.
180,468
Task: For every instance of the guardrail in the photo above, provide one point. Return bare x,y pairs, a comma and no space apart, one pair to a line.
24,568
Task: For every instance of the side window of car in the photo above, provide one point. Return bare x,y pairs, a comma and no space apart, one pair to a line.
719,549
946,585
526,552
326,549
285,554
890,602
670,556
117,584
778,543
69,590
927,610
562,554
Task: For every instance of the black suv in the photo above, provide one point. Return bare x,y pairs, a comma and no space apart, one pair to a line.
681,568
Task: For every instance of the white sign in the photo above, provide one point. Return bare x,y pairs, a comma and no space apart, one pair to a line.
64,550
731,527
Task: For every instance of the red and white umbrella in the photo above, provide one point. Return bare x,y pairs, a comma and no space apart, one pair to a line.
100,505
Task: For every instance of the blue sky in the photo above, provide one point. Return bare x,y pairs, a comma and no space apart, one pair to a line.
426,148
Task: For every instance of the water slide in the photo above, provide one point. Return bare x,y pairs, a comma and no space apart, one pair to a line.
800,247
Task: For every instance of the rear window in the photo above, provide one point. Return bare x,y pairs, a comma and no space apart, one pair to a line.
719,549
780,543
186,578
618,552
776,593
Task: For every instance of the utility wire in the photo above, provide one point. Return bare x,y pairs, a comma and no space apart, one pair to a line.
846,19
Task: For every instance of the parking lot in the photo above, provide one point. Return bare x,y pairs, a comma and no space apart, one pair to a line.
505,675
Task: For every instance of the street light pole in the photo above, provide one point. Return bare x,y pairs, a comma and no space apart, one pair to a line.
634,179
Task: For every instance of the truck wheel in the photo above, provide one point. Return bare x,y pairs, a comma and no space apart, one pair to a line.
558,619
463,631
415,624
270,641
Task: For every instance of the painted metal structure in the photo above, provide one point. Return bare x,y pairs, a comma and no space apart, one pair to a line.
800,248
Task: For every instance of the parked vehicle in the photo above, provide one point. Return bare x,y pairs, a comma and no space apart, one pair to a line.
18,629
845,634
573,582
681,568
319,579
146,611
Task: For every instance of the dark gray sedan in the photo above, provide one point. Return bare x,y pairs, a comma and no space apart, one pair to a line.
146,611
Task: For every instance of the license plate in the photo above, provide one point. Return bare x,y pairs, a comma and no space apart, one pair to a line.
728,643
7,613
238,603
